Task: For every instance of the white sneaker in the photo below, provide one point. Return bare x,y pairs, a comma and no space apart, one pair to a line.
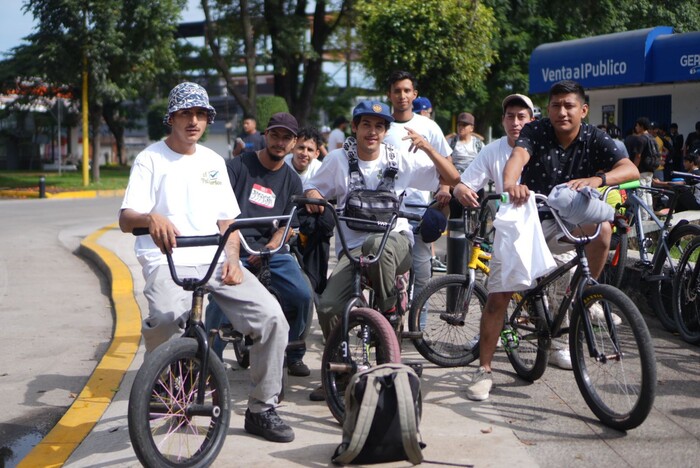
480,385
597,314
560,358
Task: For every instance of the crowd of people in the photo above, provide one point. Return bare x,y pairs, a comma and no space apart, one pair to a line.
179,187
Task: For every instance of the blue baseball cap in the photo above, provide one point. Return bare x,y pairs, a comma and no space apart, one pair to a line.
421,104
432,225
373,108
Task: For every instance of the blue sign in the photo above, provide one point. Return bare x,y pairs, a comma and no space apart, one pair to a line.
675,57
595,62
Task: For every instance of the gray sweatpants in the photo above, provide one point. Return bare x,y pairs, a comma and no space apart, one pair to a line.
252,310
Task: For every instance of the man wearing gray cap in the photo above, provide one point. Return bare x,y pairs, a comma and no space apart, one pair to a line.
179,188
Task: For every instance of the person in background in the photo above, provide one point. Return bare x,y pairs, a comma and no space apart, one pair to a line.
677,143
689,198
323,148
692,140
337,135
251,139
423,106
304,156
638,149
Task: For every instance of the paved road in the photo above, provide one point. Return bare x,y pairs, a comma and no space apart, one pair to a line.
57,318
542,424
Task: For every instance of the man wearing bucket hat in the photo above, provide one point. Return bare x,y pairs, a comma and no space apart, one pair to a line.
370,122
178,187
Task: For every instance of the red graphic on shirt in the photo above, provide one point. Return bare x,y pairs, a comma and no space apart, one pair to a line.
262,196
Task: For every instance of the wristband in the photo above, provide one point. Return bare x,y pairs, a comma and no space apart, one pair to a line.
602,177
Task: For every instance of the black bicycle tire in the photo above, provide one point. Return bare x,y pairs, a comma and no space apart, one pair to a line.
387,347
540,335
428,348
661,291
685,293
634,340
615,266
143,388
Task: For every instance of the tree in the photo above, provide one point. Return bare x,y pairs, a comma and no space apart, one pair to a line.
127,43
445,44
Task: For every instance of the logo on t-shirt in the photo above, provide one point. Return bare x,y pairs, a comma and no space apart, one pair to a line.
211,178
262,196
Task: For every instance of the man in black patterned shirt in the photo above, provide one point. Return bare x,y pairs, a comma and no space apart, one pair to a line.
549,152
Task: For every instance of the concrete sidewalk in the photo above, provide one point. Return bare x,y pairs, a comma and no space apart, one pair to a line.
457,432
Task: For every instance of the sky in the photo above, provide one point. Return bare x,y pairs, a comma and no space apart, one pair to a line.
14,24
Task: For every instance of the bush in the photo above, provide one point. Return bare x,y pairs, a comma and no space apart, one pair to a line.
266,106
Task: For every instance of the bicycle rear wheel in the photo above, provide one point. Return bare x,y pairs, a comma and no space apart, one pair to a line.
166,426
686,293
448,312
371,341
664,269
526,338
619,383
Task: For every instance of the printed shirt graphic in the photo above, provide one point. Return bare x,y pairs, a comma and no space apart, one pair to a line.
262,196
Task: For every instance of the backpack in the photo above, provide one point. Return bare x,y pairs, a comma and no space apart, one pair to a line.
382,414
371,205
651,156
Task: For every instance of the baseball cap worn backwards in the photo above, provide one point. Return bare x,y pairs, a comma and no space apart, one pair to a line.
518,99
421,104
373,108
283,120
186,96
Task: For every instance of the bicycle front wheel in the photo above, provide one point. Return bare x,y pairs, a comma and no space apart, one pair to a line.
371,341
686,294
664,270
167,426
448,312
617,378
526,338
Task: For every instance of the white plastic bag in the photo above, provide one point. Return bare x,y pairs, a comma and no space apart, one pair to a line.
521,246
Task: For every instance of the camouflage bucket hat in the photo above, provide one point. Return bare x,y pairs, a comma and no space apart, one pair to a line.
187,95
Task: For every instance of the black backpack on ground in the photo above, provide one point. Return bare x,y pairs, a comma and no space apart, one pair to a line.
382,415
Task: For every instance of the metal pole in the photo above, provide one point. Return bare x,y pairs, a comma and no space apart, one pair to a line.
456,255
42,187
86,133
60,155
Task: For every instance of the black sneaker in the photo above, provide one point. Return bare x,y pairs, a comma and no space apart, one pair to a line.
317,394
268,425
298,369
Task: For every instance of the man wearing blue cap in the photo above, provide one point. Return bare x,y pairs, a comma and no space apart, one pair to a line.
423,170
423,106
179,188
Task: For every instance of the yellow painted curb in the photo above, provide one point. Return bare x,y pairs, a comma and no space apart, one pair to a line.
100,389
63,195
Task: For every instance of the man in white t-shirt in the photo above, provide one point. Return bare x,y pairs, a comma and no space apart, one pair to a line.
179,188
304,156
422,170
402,91
337,135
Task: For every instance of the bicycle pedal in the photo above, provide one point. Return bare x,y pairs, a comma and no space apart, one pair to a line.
417,366
411,335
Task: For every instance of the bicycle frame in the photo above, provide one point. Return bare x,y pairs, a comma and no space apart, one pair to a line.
637,205
581,278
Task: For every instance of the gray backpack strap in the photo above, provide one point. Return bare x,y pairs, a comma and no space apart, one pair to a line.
407,418
363,424
357,181
391,170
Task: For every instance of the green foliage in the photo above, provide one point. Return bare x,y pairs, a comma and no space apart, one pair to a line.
446,44
267,106
157,130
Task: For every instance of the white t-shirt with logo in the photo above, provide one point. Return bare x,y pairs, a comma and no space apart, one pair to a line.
192,191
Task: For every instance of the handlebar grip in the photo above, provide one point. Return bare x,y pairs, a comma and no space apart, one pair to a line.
410,216
308,201
633,184
198,241
141,231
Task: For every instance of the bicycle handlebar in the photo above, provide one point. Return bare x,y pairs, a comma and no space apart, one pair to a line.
576,240
220,240
686,175
346,250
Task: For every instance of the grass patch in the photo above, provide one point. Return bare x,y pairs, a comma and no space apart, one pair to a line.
111,178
